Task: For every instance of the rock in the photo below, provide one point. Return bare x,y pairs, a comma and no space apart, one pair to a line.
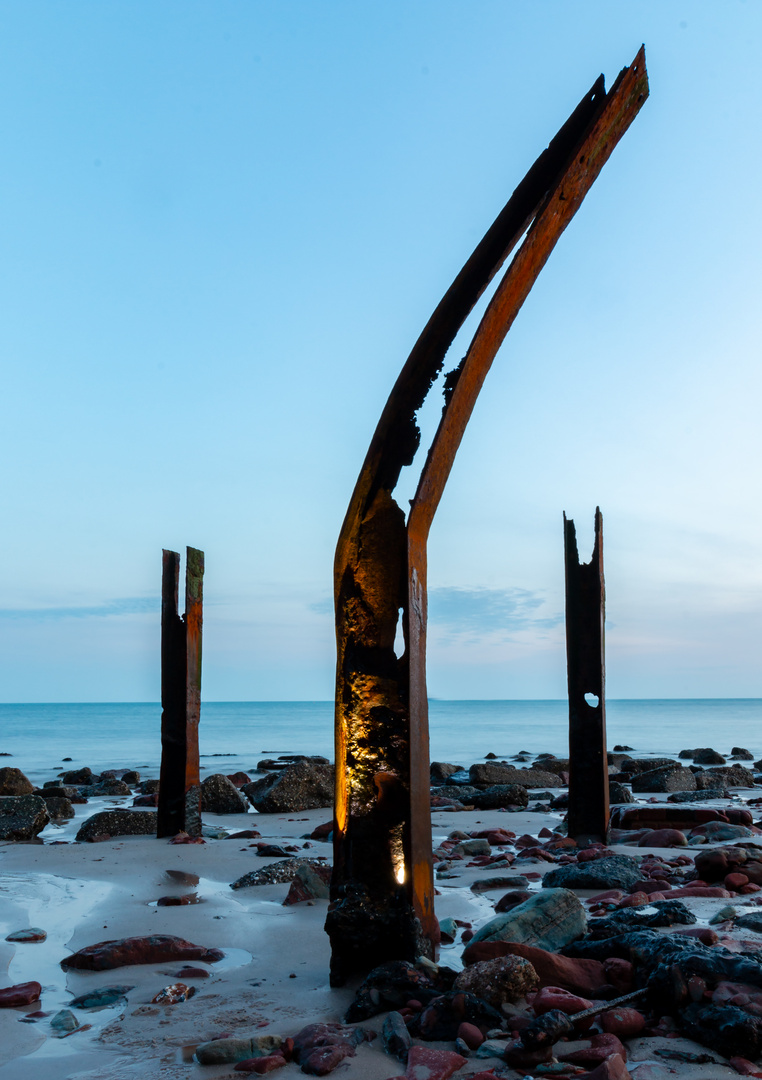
440,771
440,1020
619,793
671,777
641,765
303,786
751,921
666,913
472,847
396,1036
486,774
511,900
100,997
58,809
261,1065
724,1028
219,795
64,1021
33,933
276,872
727,776
551,998
578,976
470,1035
150,787
22,817
153,949
13,782
498,797
548,920
227,1051
602,1047
501,881
609,872
312,881
663,838
146,800
174,994
698,796
506,978
707,756
741,754
109,787
319,1048
118,823
390,986
426,1064
623,1022
78,777
721,830
613,1068
20,994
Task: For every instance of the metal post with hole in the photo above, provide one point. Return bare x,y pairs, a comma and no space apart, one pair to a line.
179,806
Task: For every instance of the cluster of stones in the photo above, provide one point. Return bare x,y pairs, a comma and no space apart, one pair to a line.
293,783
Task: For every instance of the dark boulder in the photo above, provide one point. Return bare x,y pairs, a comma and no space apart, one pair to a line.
78,776
739,753
698,796
118,823
22,817
13,782
441,1018
441,770
390,986
487,774
303,786
498,797
609,872
672,777
705,755
219,795
725,776
59,809
619,793
727,1029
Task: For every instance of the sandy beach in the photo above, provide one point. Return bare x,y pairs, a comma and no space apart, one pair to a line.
273,978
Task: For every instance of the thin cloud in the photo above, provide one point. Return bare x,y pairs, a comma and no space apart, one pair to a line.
483,612
136,605
474,613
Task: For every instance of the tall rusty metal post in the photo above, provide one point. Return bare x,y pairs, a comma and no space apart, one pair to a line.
382,890
179,808
586,670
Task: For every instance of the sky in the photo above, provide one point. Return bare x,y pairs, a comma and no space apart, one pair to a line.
223,226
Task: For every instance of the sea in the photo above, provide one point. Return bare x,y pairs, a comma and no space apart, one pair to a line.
44,739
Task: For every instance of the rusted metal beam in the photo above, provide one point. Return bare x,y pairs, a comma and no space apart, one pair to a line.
586,670
179,808
382,892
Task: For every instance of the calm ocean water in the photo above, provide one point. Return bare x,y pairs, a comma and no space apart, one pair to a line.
235,735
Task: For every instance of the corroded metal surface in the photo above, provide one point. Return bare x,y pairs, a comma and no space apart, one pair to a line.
179,808
382,893
585,645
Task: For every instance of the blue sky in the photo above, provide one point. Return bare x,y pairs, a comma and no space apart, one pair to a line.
224,225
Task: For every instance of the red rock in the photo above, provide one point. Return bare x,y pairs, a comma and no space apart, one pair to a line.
613,895
601,1047
750,888
189,972
625,1023
321,832
576,976
239,778
612,1068
441,1064
700,890
525,841
20,994
176,901
705,934
636,899
744,1067
261,1065
736,881
324,1059
184,838
153,949
663,838
470,1035
555,997
495,836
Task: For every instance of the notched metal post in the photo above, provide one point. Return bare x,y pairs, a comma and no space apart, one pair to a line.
382,890
179,808
585,614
